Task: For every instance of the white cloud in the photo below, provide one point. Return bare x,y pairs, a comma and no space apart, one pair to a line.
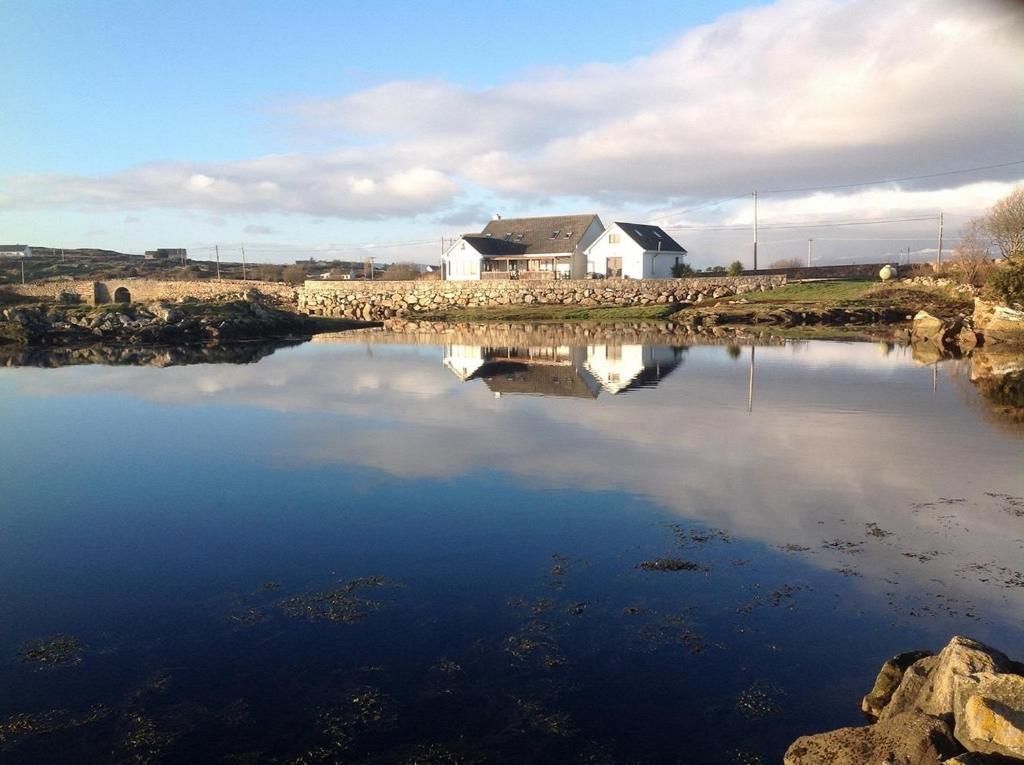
795,93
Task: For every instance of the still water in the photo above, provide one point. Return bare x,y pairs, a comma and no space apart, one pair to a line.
491,547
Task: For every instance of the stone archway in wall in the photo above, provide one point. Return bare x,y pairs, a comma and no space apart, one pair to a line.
122,295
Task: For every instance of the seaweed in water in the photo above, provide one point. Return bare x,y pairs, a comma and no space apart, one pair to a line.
671,564
54,651
341,605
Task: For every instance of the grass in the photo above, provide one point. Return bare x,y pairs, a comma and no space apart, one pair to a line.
553,313
814,292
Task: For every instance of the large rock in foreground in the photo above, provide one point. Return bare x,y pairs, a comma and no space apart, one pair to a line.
907,739
989,712
928,685
998,323
888,680
962,706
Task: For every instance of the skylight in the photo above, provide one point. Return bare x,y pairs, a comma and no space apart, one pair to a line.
554,234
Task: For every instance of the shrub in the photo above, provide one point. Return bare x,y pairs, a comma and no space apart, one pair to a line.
1008,283
682,270
735,268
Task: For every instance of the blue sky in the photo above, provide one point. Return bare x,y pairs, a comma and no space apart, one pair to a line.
303,125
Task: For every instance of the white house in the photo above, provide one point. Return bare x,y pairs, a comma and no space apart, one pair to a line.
634,251
15,251
548,247
621,368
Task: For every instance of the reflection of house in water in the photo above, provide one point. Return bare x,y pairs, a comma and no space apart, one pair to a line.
621,368
543,371
563,370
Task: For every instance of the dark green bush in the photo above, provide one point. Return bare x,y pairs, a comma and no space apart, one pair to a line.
1008,283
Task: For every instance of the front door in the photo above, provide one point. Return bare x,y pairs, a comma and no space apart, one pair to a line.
614,267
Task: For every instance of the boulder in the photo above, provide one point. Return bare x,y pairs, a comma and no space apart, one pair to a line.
998,323
989,712
888,680
975,758
907,739
928,685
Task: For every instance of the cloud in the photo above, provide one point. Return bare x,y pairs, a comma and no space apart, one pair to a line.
259,230
797,93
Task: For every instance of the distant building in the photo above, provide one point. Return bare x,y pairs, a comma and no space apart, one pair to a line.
164,253
634,251
15,251
549,247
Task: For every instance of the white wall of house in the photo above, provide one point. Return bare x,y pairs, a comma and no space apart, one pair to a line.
462,262
616,366
637,263
463,360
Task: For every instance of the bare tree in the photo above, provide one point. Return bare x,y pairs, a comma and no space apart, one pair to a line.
971,255
401,272
1004,225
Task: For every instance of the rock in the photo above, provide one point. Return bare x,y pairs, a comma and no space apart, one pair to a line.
888,680
907,739
998,323
989,711
975,758
928,685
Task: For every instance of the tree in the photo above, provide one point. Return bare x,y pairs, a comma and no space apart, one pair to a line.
401,272
787,263
1004,225
294,274
682,270
971,254
735,268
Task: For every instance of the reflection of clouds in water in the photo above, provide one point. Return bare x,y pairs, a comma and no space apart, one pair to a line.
841,436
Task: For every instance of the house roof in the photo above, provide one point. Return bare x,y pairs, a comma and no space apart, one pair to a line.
650,237
552,233
511,377
489,245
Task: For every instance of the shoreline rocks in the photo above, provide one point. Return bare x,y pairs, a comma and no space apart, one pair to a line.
962,706
139,324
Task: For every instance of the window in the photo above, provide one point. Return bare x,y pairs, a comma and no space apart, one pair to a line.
568,235
613,238
614,268
656,233
554,234
508,236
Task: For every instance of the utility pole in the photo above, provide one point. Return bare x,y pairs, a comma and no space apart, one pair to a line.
755,230
750,383
938,254
809,252
243,262
23,271
371,268
216,249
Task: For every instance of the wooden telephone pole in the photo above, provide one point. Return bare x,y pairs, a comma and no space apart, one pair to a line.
755,230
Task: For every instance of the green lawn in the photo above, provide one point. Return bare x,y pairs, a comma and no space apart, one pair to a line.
815,292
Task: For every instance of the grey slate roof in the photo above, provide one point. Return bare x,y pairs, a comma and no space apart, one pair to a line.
552,233
489,245
650,237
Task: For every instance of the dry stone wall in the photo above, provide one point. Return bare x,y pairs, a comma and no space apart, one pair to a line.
146,290
385,300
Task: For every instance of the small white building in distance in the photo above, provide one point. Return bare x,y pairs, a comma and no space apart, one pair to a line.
523,248
634,251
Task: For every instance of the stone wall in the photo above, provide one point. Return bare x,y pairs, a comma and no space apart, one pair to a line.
145,290
537,335
855,271
385,300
